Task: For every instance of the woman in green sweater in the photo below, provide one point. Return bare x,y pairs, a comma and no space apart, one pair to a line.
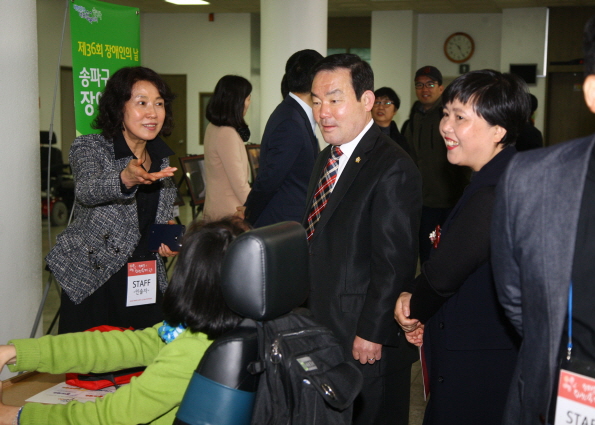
195,313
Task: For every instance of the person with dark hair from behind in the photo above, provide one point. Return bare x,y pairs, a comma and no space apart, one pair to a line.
470,347
364,201
542,247
386,105
123,185
284,88
530,137
195,314
288,150
226,161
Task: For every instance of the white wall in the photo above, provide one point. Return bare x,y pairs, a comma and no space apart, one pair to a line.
433,29
513,36
50,20
205,51
402,41
393,49
524,41
170,43
20,215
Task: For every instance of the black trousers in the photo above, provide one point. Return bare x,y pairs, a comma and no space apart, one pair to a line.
384,400
107,306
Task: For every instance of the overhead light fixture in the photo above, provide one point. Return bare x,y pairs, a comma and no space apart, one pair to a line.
187,2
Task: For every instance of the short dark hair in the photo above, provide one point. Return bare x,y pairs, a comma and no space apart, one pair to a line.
194,297
362,76
297,70
589,46
534,102
390,93
226,106
284,89
500,99
118,91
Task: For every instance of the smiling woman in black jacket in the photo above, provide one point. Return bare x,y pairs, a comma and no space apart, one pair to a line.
469,345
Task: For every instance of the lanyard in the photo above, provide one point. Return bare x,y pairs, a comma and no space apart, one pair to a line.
569,346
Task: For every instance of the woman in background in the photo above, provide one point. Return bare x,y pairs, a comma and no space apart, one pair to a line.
123,185
385,107
196,313
470,346
226,161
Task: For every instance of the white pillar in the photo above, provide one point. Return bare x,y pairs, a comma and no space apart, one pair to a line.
286,27
392,53
20,209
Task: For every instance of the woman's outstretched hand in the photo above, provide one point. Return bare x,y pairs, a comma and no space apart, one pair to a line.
135,174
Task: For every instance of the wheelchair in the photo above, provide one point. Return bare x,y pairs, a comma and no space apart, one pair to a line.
61,183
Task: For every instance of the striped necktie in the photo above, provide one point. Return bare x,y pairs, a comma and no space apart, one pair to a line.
324,189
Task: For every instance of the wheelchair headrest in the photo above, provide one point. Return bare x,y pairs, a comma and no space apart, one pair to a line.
265,271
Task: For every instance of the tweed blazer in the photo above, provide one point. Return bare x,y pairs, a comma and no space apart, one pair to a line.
105,229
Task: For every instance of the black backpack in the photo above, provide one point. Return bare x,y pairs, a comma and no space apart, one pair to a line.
304,378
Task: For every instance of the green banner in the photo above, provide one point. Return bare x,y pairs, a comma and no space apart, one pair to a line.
105,38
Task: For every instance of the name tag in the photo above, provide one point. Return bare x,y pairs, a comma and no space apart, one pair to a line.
142,283
576,399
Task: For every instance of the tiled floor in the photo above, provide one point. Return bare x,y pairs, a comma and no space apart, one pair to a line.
53,302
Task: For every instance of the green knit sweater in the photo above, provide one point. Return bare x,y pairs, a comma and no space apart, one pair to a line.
153,397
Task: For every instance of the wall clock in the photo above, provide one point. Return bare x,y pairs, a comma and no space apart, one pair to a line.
459,47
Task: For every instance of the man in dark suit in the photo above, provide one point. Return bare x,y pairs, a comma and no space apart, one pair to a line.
288,150
541,242
363,242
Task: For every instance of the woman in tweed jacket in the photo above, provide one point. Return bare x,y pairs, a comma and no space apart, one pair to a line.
123,185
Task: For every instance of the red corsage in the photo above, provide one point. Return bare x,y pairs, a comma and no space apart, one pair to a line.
435,236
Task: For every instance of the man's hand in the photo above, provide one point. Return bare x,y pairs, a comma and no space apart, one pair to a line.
402,313
366,351
135,174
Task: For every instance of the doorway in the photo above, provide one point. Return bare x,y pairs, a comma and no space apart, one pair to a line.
177,140
568,116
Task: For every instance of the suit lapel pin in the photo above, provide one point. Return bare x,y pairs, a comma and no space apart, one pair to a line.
358,159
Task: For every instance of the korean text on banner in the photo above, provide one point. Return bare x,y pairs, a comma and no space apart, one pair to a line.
105,38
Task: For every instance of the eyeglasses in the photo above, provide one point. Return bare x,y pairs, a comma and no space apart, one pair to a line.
386,103
429,85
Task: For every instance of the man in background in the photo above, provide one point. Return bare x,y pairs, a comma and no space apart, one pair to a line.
364,201
442,182
542,244
288,150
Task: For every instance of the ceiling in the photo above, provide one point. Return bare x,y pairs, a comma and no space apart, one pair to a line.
356,7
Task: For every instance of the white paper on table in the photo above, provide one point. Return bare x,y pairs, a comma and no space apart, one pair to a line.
63,393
